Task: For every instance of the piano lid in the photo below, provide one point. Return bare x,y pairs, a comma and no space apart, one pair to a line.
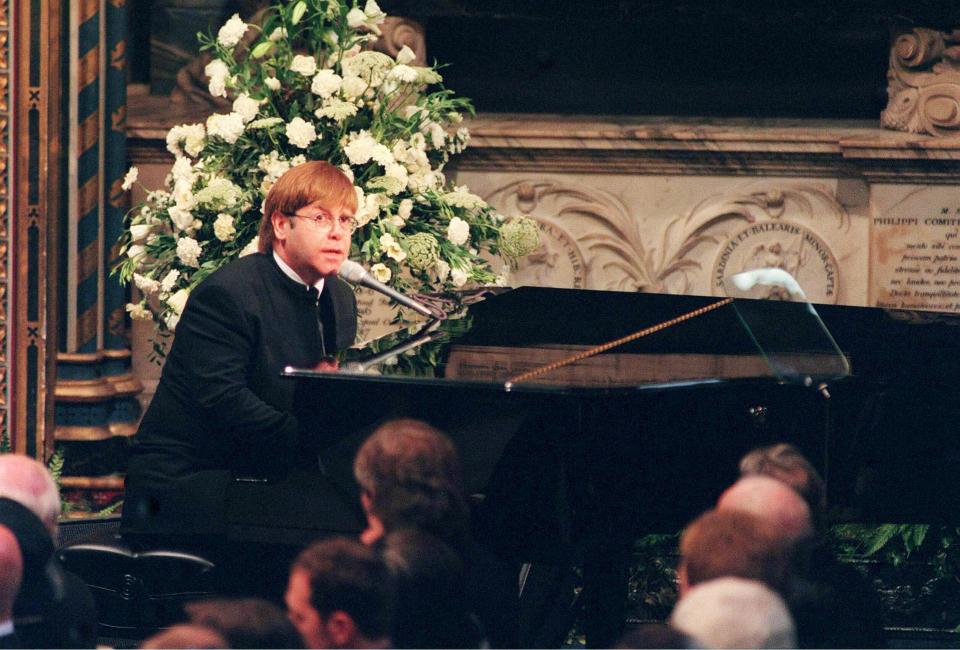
534,339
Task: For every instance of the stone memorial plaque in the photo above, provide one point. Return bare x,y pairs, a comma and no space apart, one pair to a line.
915,252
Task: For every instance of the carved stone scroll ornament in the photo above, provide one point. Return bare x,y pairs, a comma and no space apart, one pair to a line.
923,83
588,237
396,31
767,225
591,239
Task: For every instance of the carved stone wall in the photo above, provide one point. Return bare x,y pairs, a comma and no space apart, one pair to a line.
924,83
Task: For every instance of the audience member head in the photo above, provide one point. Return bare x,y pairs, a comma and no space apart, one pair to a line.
26,481
309,182
732,543
785,463
186,636
774,502
341,595
246,622
11,572
734,613
409,476
654,635
431,586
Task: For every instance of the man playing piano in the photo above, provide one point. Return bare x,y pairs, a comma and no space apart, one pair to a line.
222,415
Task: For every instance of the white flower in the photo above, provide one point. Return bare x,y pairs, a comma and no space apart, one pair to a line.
458,231
252,247
370,66
458,276
405,55
359,147
277,34
405,208
186,138
403,74
229,126
221,191
391,247
178,300
188,250
232,31
381,272
443,270
356,18
183,195
370,18
462,197
223,227
182,171
145,284
246,107
136,251
348,172
305,65
138,311
353,87
437,135
171,320
169,281
272,83
218,72
140,231
301,133
325,83
336,109
130,178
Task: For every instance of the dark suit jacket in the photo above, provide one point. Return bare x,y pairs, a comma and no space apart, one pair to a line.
221,405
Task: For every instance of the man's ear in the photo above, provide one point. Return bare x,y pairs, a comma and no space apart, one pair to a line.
683,584
279,223
341,630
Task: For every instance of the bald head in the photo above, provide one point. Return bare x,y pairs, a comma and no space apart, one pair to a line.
771,501
27,481
186,636
11,572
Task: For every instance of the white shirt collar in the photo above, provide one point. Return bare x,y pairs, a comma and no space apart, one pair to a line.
6,628
290,273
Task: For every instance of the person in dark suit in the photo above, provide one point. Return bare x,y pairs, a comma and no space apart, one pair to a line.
222,412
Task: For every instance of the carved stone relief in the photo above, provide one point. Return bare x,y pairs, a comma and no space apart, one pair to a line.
923,83
591,240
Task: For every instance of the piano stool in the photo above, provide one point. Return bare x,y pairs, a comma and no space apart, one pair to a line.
137,590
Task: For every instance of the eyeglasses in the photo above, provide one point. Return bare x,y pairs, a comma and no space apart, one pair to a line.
324,220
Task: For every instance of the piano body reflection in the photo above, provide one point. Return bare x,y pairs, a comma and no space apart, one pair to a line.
577,459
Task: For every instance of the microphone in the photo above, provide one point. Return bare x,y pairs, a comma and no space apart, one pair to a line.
356,274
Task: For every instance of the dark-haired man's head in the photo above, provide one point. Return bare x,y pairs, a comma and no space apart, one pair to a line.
409,476
430,588
785,463
341,595
735,544
246,622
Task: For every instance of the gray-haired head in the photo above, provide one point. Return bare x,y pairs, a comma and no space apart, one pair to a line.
735,613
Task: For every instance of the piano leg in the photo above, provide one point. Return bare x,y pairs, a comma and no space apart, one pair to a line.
604,595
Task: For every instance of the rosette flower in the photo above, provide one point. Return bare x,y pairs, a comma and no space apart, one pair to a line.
519,236
423,251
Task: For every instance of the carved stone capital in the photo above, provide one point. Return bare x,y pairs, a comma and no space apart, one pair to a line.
923,83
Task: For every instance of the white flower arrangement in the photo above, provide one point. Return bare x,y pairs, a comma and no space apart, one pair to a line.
306,89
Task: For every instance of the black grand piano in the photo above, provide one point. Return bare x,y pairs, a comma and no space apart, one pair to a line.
586,419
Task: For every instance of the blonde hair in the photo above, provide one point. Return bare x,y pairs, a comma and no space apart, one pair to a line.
316,180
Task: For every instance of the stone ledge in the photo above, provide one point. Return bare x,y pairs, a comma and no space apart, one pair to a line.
646,144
